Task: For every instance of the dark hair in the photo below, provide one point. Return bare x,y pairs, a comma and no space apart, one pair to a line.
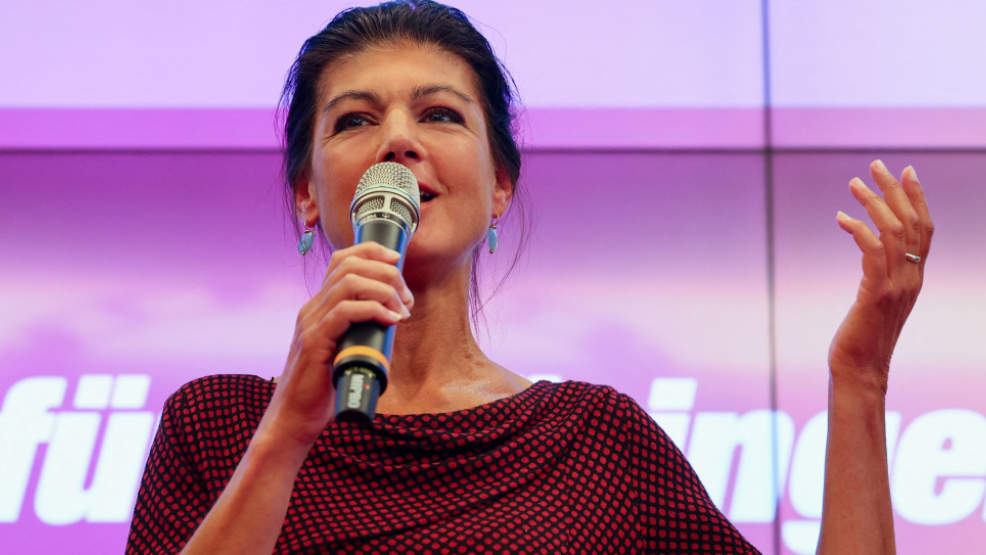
422,22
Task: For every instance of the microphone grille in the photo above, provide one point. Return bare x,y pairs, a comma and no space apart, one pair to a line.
387,190
398,208
370,205
389,174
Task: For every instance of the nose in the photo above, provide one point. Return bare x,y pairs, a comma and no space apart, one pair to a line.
400,142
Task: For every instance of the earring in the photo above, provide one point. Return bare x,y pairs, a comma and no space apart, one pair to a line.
307,241
491,238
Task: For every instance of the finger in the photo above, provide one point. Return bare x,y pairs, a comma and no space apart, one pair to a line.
337,321
370,250
874,251
373,269
896,198
359,288
915,193
387,279
891,230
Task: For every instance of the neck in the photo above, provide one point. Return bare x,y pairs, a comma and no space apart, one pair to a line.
436,365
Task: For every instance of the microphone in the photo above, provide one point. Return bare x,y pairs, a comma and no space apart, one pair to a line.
386,208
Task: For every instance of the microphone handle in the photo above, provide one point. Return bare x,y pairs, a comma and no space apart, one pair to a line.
362,359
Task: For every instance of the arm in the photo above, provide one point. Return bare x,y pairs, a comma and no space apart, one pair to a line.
175,498
173,505
362,284
248,516
857,515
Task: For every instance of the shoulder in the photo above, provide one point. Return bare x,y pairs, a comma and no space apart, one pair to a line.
601,401
603,407
220,389
217,397
619,416
665,489
592,400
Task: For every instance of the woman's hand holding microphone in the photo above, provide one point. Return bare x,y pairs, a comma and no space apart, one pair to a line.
362,283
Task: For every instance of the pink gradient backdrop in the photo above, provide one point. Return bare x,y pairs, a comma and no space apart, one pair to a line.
592,128
178,265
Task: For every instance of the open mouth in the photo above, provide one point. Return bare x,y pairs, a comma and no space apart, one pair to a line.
426,196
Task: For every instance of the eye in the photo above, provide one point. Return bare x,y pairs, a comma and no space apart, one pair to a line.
441,115
350,121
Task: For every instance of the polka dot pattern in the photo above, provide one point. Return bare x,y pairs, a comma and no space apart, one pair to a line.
557,468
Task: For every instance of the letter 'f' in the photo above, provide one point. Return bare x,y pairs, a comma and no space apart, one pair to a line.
25,421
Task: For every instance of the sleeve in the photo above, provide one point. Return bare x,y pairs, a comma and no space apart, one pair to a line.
173,499
675,512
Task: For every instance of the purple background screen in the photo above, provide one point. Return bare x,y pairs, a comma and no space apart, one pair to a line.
178,265
144,240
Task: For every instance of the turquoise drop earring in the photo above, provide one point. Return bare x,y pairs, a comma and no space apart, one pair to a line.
307,241
491,238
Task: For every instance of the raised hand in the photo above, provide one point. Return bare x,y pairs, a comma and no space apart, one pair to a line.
857,515
893,271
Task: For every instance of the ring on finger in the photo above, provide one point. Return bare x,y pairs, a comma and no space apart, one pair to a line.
912,258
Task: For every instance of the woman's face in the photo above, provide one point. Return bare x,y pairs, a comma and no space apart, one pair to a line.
417,106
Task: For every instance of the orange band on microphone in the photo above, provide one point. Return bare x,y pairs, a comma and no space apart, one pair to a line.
363,350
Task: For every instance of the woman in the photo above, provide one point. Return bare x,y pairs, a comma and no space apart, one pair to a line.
464,455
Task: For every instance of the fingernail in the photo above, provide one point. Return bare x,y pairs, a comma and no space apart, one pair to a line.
395,316
406,313
881,165
842,216
914,174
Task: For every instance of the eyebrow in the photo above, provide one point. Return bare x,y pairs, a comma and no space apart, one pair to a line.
353,95
425,90
417,93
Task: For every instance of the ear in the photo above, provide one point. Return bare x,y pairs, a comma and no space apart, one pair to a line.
306,205
502,193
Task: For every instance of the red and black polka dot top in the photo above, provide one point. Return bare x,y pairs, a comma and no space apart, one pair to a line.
557,468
